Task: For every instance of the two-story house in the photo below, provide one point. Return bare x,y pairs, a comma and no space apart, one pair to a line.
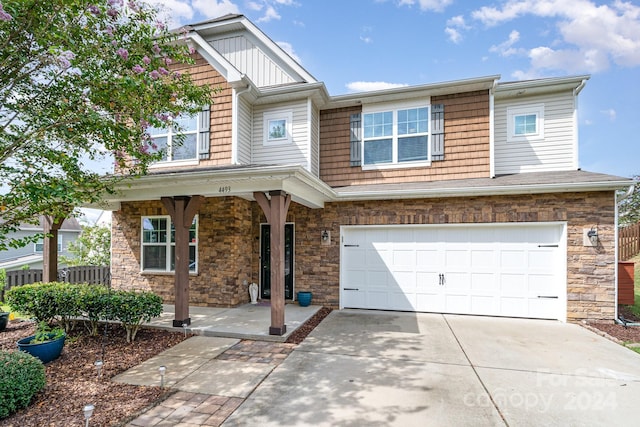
455,197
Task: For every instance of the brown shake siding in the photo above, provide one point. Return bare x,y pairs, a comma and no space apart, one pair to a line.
221,112
466,145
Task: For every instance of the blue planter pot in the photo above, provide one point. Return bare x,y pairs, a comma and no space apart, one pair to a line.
45,351
304,299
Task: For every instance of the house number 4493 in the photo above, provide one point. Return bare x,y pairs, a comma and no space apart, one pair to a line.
225,189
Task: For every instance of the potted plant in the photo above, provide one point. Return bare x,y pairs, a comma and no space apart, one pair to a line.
46,344
304,298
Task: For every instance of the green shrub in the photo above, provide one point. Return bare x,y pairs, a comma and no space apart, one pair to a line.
133,308
95,303
67,302
35,300
21,377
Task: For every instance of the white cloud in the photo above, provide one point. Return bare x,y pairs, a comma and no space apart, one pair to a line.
269,15
591,36
370,86
435,5
611,113
506,47
174,12
453,34
252,5
215,8
287,47
298,23
458,22
367,40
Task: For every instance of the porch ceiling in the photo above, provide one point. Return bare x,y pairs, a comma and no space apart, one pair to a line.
239,181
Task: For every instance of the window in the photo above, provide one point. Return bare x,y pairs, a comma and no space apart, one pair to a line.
277,128
178,145
396,136
39,245
525,123
159,245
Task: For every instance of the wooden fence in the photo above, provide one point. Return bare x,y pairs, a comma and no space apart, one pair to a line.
628,242
97,275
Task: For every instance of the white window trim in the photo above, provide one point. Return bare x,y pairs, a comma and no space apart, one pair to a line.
394,107
522,110
273,116
41,242
169,244
169,134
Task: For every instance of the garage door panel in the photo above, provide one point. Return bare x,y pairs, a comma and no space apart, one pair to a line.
498,269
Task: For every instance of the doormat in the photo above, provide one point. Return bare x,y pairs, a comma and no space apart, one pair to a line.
264,304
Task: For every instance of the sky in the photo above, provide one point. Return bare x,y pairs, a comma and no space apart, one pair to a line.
359,45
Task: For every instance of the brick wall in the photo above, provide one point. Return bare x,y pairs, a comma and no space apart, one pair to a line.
590,271
224,252
229,243
466,121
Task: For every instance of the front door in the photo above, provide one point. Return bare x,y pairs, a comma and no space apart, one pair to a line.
265,261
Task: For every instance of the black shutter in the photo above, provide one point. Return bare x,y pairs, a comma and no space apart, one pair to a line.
204,123
437,132
356,140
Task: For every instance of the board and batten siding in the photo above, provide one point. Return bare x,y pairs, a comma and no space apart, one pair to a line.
553,153
249,59
295,153
245,123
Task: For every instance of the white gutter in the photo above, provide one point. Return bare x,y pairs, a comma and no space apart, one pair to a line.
492,137
480,191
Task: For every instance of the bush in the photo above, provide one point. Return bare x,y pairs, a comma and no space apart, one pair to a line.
21,377
67,302
95,302
35,300
133,308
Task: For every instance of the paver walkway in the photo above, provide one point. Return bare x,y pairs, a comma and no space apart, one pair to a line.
191,409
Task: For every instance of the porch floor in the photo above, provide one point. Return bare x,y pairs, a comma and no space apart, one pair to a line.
246,321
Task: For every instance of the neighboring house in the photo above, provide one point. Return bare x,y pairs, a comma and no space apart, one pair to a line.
454,197
31,255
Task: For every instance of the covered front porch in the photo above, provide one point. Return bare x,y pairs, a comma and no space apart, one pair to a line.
246,321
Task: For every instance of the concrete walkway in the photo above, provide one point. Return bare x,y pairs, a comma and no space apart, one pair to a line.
245,322
400,369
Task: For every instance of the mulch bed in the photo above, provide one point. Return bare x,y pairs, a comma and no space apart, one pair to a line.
72,380
623,333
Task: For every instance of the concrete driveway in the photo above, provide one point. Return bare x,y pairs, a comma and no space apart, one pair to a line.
403,369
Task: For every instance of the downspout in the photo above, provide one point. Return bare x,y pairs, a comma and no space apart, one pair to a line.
492,142
617,202
576,156
235,123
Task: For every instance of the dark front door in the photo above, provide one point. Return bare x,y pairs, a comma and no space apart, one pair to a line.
265,261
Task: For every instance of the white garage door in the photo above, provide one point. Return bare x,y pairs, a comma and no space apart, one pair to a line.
499,270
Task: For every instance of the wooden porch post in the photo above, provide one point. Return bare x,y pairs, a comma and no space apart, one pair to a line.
276,212
182,210
50,227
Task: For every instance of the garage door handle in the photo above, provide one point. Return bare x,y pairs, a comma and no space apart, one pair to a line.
548,296
547,246
351,246
350,289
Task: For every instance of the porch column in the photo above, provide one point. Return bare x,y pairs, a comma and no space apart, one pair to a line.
276,212
182,209
50,227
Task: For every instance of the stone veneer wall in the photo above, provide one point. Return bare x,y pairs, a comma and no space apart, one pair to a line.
229,245
590,271
224,252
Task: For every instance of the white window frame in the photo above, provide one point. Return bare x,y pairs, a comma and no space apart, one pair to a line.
273,117
525,110
168,245
40,243
394,108
169,134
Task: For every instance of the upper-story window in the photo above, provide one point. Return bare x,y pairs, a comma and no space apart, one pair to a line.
277,127
525,123
159,244
396,137
180,141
